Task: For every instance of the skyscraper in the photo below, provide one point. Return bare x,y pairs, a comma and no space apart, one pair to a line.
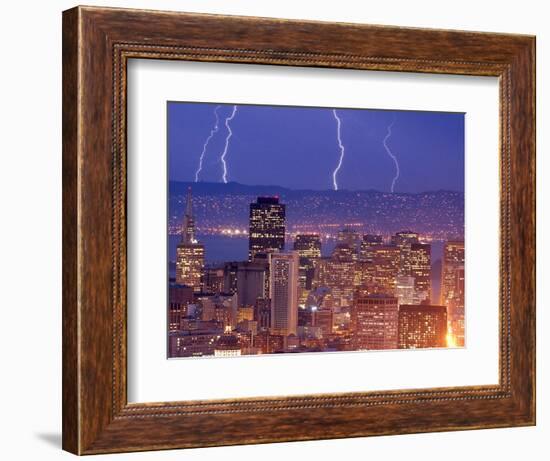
351,238
374,320
251,282
338,274
369,241
230,270
189,253
308,247
213,280
452,288
422,325
421,266
405,290
267,227
386,268
404,240
283,292
453,259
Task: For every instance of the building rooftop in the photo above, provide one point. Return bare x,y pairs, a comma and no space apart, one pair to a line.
268,200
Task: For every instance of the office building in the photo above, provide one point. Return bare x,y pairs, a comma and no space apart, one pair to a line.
251,278
404,290
308,247
421,265
422,325
404,240
386,268
452,288
189,253
262,313
365,248
283,292
374,321
179,297
266,227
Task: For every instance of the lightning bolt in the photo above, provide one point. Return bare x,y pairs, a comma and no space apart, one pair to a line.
392,156
213,131
342,149
228,137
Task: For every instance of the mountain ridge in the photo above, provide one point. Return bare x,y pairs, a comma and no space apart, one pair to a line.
232,187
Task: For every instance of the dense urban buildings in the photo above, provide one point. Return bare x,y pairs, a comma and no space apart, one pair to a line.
313,229
312,290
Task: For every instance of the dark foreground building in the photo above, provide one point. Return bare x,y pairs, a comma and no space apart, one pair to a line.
267,227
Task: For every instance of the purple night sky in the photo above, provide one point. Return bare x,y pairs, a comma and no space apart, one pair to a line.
297,147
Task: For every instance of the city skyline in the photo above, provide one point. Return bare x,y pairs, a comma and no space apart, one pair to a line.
372,293
264,269
222,210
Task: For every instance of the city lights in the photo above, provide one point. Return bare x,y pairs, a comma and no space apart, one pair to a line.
370,292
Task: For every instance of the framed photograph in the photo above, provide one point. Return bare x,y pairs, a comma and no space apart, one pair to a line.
280,230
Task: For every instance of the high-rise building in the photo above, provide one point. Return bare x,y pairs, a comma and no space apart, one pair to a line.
305,316
453,259
251,282
404,241
189,264
364,276
267,227
262,314
351,238
230,270
213,280
188,229
337,273
283,292
421,267
369,241
179,297
245,313
343,252
386,268
374,320
455,311
323,319
404,290
422,325
308,247
452,289
189,253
